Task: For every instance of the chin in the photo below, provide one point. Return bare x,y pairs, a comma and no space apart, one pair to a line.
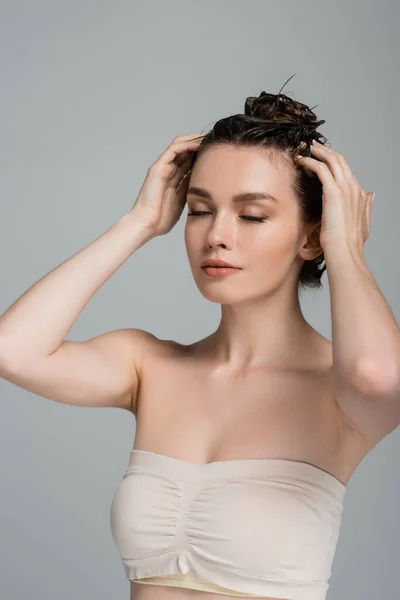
221,291
222,298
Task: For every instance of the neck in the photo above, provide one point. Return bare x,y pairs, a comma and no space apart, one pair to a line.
267,331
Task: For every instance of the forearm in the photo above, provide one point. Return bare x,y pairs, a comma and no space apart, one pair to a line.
365,334
38,321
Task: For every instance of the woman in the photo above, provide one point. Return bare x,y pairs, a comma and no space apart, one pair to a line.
246,439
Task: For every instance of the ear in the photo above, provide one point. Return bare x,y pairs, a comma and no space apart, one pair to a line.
311,247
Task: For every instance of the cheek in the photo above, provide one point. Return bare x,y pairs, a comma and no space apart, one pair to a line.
191,240
265,239
187,236
271,251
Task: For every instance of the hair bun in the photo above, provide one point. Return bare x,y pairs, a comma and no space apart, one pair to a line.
280,110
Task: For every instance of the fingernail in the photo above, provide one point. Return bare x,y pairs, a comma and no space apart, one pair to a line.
373,197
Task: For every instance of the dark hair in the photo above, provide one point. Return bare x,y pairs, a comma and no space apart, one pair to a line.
286,128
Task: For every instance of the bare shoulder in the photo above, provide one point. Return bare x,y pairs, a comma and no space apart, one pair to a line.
147,349
103,371
148,344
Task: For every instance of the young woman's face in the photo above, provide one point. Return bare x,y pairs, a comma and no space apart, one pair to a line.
267,251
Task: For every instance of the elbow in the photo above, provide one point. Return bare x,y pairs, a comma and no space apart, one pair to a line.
373,378
10,357
4,353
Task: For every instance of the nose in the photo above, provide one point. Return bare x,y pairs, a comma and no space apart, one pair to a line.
220,232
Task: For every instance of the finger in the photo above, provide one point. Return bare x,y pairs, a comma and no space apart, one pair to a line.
333,160
182,158
348,172
320,168
180,138
180,173
175,149
182,188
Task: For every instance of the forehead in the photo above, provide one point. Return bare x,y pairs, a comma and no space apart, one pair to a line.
226,170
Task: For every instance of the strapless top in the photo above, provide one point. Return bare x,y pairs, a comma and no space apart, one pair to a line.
248,527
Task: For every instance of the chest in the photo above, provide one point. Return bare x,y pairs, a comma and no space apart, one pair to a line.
188,411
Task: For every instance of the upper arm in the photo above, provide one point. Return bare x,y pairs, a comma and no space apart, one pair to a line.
103,371
372,408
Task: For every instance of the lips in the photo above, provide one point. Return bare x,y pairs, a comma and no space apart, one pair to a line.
217,263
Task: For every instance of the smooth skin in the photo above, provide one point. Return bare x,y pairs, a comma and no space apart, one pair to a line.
258,346
104,370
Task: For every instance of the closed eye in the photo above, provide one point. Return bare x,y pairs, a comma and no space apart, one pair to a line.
199,213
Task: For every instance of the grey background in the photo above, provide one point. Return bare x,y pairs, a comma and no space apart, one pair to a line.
91,93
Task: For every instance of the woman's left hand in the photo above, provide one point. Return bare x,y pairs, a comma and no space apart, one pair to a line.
346,206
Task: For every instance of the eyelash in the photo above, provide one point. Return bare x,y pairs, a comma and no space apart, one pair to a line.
198,213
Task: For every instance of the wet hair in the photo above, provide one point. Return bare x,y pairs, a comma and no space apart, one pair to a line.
285,128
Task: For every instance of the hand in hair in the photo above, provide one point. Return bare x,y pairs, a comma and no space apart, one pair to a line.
346,207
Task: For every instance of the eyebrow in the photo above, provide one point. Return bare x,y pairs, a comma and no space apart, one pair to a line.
237,198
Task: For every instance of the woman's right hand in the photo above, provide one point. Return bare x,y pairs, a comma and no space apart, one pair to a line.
162,197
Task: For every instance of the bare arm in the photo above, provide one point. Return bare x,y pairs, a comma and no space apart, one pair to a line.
101,371
36,324
105,370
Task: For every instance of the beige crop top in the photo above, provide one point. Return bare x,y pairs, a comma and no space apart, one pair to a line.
246,527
